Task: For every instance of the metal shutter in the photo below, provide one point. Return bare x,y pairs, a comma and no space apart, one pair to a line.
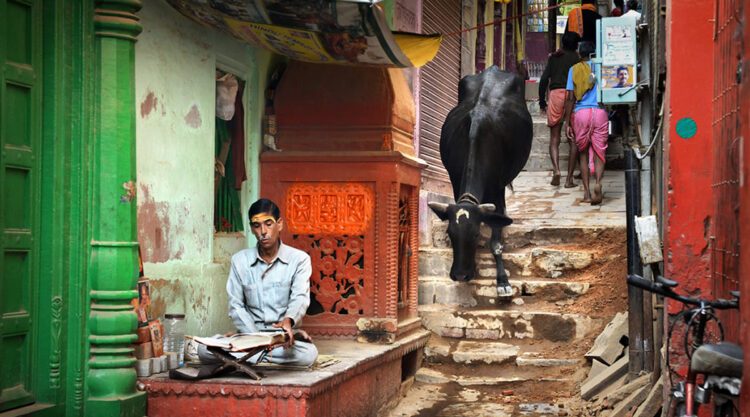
439,78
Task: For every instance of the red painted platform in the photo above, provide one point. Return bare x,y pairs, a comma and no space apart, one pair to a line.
365,380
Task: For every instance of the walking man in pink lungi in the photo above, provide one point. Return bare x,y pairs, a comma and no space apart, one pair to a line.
589,127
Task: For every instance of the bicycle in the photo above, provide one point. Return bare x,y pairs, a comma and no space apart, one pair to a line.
720,363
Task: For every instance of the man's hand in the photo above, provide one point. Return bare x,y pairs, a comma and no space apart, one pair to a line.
569,131
286,325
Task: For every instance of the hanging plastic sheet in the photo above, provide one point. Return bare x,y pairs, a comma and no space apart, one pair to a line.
321,31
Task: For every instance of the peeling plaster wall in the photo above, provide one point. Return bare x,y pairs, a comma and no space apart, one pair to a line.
175,93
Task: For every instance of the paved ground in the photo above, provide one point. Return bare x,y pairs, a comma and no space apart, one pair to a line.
535,202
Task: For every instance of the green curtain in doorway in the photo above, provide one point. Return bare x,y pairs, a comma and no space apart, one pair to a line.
227,215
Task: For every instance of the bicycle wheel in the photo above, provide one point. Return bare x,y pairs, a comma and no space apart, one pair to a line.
724,409
713,333
678,410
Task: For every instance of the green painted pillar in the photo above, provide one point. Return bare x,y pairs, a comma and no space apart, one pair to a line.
113,262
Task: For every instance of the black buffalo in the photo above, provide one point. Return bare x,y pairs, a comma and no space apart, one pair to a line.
484,144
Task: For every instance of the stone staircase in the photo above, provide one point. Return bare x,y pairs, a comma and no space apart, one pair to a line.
523,355
539,158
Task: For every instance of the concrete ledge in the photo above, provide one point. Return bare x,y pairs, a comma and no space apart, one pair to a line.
369,373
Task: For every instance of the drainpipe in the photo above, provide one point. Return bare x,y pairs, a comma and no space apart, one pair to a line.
635,295
651,359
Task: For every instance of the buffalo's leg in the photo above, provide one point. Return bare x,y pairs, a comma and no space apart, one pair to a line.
496,243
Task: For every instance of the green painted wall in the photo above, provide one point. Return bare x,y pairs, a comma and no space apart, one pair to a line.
175,103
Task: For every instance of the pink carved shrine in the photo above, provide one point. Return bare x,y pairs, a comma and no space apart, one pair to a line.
347,182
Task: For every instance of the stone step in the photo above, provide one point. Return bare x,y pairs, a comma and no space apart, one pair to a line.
539,161
539,157
519,235
484,352
483,292
540,399
552,262
435,376
506,324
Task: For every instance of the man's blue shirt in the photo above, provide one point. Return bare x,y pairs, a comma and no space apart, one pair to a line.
588,101
261,293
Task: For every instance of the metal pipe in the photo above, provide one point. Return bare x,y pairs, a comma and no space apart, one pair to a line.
635,295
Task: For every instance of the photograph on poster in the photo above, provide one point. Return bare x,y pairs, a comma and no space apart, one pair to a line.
617,76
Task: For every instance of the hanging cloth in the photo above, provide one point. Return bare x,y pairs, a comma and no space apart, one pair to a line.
575,18
582,79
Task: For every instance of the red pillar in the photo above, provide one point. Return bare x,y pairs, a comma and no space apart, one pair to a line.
745,225
688,165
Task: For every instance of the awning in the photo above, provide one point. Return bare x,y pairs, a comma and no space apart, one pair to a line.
353,32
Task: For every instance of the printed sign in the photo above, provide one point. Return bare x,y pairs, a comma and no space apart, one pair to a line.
617,76
318,31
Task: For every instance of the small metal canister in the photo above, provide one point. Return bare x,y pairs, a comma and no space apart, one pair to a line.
143,367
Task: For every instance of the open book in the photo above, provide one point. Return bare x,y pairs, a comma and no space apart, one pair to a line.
243,341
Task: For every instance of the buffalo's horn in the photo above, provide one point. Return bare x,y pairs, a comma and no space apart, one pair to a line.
438,207
486,208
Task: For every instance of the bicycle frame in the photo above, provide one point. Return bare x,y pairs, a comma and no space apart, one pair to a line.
704,313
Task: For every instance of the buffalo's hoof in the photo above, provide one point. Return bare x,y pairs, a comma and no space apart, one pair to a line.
504,291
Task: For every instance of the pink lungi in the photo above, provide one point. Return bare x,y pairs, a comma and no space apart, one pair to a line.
591,128
555,106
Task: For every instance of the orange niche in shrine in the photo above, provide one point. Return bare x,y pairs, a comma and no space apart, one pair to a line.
347,182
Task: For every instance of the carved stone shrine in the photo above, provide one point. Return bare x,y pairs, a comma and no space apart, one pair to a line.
347,182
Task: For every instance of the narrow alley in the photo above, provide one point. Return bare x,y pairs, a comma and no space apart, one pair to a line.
523,356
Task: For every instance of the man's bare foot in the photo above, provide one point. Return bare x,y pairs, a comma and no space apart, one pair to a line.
555,178
570,184
597,199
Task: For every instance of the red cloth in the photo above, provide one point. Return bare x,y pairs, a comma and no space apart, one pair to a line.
591,128
237,133
616,12
555,106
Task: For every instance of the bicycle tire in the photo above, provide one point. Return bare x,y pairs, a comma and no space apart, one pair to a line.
678,410
727,409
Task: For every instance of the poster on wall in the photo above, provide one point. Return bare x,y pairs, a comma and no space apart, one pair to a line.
616,45
319,31
617,76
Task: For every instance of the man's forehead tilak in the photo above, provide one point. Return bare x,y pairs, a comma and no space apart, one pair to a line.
262,218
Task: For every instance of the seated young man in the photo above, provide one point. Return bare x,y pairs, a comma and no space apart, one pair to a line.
269,288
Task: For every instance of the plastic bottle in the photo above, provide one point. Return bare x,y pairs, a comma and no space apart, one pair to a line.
174,334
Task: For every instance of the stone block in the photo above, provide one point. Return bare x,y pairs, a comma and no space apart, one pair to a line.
435,262
431,376
450,332
482,334
608,345
552,261
437,348
626,390
546,362
468,352
596,368
624,407
376,330
593,386
653,402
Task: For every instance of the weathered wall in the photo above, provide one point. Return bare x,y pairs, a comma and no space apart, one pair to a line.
176,61
688,165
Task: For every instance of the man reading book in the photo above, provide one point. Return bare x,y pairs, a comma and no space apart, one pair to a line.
269,289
